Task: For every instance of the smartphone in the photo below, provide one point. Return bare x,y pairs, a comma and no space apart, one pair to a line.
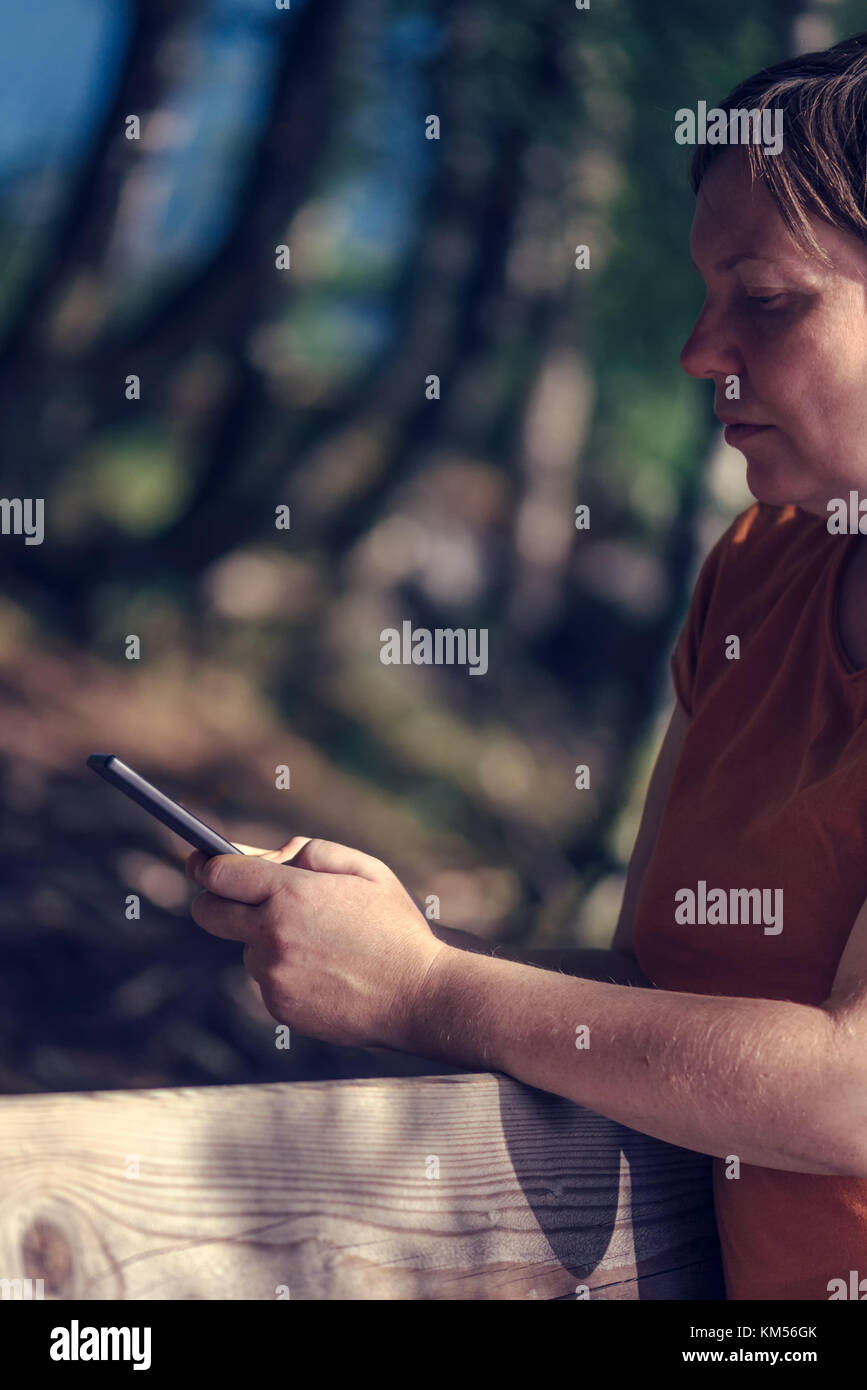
171,813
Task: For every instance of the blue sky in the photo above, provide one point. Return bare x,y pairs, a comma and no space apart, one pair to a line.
58,62
51,58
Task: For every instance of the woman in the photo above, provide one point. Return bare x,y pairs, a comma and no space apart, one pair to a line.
752,1044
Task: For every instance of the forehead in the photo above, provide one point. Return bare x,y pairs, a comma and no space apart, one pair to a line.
733,214
735,217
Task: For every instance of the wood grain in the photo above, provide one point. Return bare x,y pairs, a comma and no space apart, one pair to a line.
328,1190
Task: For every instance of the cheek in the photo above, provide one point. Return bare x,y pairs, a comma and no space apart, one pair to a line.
834,400
813,377
833,368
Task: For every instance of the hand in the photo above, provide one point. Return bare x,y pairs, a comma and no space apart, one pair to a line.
280,856
334,941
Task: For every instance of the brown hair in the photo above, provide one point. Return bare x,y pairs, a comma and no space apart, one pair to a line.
822,165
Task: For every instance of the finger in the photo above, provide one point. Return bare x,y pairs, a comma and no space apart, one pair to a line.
245,878
290,849
233,921
258,958
279,856
328,857
193,864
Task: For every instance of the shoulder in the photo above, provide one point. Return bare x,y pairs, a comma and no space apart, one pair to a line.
763,535
755,559
763,526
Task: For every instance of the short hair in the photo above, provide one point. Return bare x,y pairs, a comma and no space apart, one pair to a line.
822,165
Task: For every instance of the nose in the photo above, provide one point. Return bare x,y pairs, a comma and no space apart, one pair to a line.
710,350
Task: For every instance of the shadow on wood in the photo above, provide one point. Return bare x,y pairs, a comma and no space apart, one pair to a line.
436,1187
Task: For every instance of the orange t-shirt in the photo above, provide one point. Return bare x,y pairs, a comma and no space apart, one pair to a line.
769,792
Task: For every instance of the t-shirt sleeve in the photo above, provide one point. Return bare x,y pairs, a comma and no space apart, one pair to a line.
684,658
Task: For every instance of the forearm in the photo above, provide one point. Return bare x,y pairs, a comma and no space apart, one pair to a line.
768,1081
591,963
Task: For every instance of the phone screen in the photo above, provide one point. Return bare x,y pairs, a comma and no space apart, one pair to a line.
171,813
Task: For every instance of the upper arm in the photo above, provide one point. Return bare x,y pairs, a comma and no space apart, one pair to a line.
657,795
846,1006
848,995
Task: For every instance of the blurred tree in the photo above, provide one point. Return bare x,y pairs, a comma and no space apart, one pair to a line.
411,258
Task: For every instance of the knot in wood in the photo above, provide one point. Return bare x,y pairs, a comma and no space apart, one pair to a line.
46,1255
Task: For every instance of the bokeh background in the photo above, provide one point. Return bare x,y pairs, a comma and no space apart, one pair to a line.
306,387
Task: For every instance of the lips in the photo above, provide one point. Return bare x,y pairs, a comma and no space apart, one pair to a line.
738,434
736,431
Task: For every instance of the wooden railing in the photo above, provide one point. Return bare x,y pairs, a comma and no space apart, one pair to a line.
436,1187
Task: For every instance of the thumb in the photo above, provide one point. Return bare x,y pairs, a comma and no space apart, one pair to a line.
328,857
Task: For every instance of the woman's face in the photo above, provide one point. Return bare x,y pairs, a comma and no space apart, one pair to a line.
793,330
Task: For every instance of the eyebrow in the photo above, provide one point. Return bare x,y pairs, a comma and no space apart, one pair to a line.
730,261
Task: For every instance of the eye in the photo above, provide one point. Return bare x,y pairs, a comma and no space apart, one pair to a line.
769,301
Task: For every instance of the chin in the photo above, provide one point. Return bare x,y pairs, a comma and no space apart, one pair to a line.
776,485
767,488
